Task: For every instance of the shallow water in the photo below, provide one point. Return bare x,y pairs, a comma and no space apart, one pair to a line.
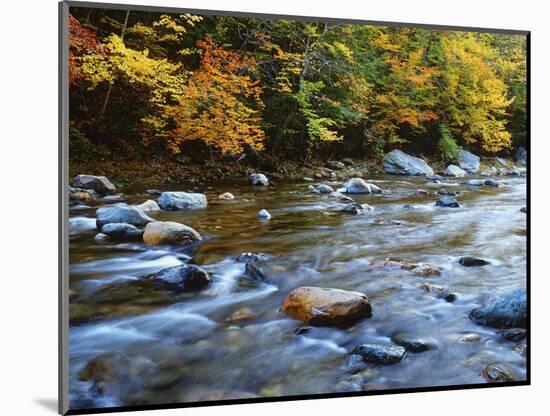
180,347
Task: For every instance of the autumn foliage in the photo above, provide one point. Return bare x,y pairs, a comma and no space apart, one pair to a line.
220,105
225,86
81,41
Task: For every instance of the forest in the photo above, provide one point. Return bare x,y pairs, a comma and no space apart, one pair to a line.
224,88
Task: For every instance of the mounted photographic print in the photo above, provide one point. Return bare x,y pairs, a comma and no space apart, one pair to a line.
265,208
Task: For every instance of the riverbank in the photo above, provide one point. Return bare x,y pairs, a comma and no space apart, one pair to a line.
164,171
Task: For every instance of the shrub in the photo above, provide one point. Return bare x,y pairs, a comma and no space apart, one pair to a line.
447,144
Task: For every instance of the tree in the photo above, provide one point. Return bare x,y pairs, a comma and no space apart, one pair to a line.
220,105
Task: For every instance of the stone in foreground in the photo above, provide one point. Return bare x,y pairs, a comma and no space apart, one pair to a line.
380,353
184,277
100,184
326,307
455,171
359,186
168,232
468,161
509,311
397,162
121,213
258,179
174,201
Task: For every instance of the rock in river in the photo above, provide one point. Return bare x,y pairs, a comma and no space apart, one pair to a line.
149,206
468,161
82,195
491,182
455,171
173,201
327,307
447,202
334,164
100,184
498,373
359,186
258,179
380,353
122,232
397,162
472,262
264,215
247,257
323,189
446,192
184,277
411,343
243,314
357,209
226,196
509,311
521,156
168,232
513,334
121,213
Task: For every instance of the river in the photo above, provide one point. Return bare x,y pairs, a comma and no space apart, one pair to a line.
167,347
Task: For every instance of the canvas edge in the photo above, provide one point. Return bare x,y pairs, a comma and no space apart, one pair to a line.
208,12
63,250
63,260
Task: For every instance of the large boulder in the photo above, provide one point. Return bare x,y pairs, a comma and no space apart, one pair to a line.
359,186
509,311
455,171
397,162
330,307
184,277
100,184
121,213
122,232
168,232
468,161
521,156
174,201
258,179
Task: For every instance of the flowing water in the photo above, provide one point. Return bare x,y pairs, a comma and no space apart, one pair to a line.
166,347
